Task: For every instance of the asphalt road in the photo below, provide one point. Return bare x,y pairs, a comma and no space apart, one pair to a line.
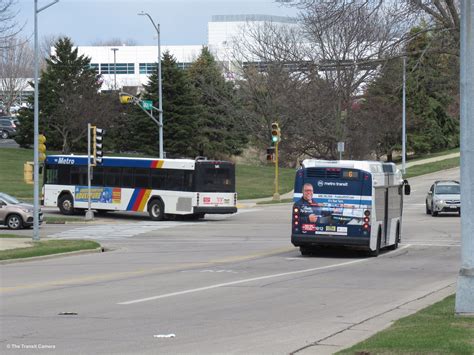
224,285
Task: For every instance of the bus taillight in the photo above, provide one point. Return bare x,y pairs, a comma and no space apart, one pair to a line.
295,216
366,225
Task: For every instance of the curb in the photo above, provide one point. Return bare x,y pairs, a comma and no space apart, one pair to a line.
52,256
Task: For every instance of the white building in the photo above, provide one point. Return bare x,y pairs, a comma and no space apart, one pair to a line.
133,64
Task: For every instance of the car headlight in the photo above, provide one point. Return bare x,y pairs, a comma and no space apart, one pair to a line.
26,210
439,201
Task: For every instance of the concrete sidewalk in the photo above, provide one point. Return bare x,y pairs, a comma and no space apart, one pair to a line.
13,243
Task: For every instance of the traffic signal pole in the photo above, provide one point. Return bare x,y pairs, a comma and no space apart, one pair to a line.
89,214
276,137
276,195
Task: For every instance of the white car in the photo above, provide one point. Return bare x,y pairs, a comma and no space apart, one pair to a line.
444,196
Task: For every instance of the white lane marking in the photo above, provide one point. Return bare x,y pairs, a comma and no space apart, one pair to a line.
210,287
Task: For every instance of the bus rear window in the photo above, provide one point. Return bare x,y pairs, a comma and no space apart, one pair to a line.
215,178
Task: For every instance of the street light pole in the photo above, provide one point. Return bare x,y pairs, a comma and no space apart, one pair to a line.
115,67
160,103
36,127
404,134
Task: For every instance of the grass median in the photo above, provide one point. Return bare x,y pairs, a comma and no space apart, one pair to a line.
46,247
433,330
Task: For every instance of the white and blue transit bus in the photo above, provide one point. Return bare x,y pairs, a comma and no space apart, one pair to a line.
161,187
347,203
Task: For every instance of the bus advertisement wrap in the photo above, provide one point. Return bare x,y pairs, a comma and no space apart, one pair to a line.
98,194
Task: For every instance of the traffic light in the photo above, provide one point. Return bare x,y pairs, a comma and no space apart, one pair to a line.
276,135
28,172
41,147
270,153
126,99
98,142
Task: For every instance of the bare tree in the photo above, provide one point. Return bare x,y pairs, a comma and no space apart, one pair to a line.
8,26
16,68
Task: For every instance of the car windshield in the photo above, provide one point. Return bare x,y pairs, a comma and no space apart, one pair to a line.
9,199
448,189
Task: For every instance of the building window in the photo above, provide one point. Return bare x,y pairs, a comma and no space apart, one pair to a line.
121,68
95,66
147,68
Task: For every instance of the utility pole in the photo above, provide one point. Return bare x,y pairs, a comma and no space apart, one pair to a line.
115,67
404,133
36,236
465,286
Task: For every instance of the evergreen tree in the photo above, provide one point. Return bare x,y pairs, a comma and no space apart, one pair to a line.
432,89
69,98
220,132
181,112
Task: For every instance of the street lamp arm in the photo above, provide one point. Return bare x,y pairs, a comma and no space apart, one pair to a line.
46,6
157,28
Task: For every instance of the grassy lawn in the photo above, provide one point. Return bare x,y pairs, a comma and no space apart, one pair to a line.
258,181
432,167
433,330
11,172
48,247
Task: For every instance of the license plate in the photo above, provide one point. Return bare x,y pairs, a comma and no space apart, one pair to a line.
453,207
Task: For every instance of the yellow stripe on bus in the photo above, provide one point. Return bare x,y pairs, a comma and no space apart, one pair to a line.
144,200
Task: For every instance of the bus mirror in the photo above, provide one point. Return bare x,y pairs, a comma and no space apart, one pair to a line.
407,189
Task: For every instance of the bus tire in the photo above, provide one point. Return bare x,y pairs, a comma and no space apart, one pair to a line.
376,252
66,204
156,210
305,250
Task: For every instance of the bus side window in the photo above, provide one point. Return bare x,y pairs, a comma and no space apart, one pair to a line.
188,180
79,175
127,177
64,174
52,174
97,176
158,179
142,178
175,179
112,176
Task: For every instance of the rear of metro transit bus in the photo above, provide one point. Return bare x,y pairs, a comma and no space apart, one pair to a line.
214,182
342,203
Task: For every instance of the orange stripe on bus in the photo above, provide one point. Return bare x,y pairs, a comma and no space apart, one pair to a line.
144,200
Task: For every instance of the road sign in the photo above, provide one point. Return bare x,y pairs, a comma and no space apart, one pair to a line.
147,104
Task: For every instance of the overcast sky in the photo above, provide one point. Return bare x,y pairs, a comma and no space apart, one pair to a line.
181,21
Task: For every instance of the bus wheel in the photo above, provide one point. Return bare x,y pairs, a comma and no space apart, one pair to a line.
66,204
305,251
376,252
156,210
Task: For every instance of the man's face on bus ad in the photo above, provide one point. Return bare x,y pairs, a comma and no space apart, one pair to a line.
308,193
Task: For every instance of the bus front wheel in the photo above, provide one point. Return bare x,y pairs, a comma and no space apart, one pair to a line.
66,204
156,210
